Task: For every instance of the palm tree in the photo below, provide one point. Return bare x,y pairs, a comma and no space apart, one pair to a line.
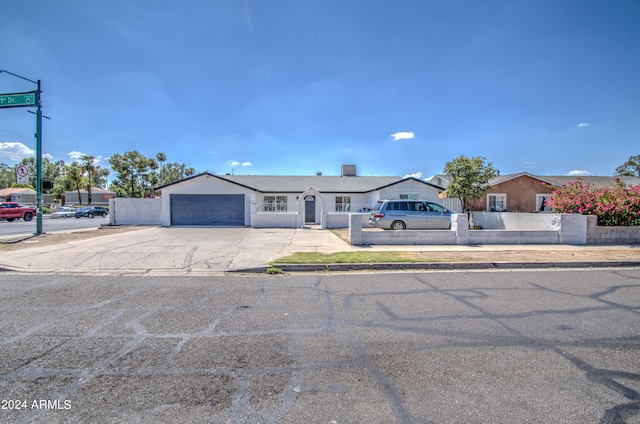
89,166
75,173
161,158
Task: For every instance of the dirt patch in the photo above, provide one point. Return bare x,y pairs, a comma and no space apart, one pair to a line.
612,255
47,239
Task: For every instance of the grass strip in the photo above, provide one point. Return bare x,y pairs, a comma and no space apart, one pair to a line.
352,257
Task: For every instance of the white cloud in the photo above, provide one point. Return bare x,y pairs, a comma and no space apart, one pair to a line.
579,173
236,163
417,175
583,124
15,151
77,156
402,135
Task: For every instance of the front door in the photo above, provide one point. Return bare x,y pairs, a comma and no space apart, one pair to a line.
310,209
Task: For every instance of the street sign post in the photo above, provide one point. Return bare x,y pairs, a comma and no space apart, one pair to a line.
30,98
18,99
22,174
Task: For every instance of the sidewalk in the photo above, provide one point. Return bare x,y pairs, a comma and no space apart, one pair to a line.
205,251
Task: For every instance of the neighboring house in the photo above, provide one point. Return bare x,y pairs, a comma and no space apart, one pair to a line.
99,197
24,196
283,201
524,192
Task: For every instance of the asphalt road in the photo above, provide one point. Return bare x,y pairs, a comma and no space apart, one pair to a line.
433,347
50,225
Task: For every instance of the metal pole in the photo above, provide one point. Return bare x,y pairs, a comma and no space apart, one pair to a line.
39,164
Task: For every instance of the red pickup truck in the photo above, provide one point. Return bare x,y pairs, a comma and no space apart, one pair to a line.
11,210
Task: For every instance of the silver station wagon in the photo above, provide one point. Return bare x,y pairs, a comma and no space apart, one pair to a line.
410,215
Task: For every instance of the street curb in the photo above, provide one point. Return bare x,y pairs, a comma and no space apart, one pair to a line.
437,266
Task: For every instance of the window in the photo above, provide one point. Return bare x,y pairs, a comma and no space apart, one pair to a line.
275,203
496,202
343,203
397,206
409,196
542,202
434,207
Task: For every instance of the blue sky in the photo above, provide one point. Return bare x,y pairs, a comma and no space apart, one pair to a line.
295,87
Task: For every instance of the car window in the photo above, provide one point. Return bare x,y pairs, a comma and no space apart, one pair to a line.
434,207
397,206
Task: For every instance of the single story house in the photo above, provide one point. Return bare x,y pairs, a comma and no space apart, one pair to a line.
283,201
524,192
24,196
99,197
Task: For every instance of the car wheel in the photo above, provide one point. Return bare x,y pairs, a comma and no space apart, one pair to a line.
104,214
398,225
28,216
89,215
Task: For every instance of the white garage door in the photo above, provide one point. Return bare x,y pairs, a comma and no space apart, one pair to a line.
207,209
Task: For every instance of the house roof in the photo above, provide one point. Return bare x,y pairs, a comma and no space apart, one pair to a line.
560,180
507,177
299,184
599,182
8,191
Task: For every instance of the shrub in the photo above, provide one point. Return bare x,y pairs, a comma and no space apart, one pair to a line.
618,206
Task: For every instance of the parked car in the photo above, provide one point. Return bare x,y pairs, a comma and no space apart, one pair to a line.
64,212
91,211
12,210
409,215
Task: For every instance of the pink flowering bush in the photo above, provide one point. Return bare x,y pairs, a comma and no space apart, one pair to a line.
618,206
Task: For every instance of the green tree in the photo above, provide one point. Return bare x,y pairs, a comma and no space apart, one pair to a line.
75,175
52,171
100,177
631,168
161,157
89,167
7,175
469,179
131,169
171,173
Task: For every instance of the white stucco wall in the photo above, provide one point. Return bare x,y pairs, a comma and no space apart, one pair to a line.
274,220
516,221
126,211
423,191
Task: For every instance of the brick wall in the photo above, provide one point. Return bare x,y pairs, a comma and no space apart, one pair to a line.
610,235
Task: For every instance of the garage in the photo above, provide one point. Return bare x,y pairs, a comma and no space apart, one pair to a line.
207,209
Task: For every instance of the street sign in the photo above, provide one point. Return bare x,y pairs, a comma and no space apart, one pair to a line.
18,99
22,174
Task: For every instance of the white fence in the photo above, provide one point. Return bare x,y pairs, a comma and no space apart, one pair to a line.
451,203
572,229
126,211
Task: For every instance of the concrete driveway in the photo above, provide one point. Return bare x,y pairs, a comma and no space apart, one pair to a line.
174,250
